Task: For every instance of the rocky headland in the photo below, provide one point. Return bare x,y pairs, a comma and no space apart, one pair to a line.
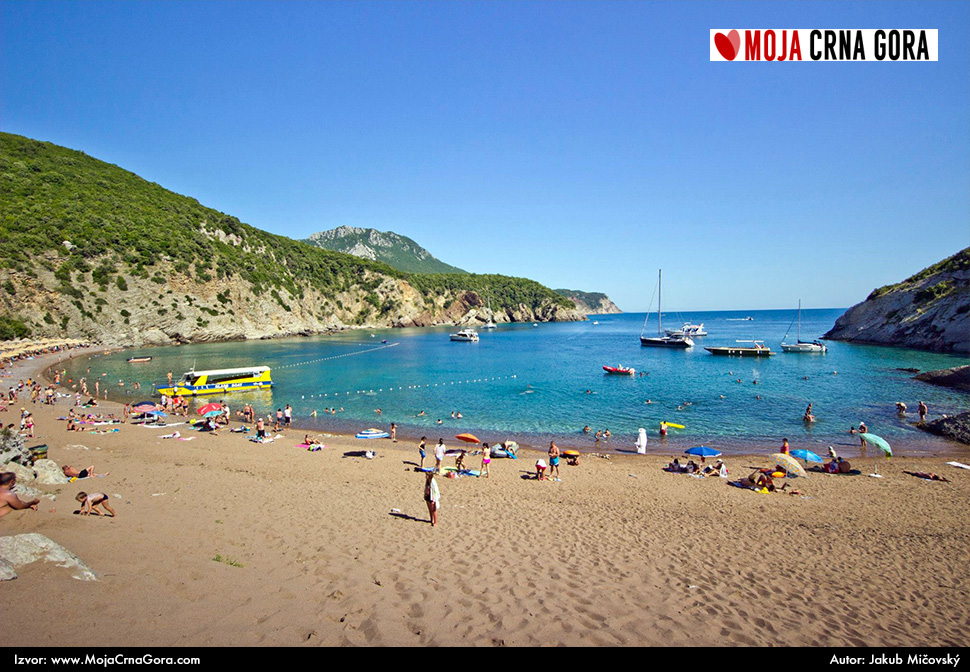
590,303
93,252
928,311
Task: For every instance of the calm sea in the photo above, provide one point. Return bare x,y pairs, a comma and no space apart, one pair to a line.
535,383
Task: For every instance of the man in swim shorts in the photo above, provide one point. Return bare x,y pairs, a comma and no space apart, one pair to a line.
553,459
9,501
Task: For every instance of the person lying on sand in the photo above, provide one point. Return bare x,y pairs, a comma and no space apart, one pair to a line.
73,472
757,480
927,476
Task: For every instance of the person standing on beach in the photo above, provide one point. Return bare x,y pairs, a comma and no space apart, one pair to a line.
422,451
784,447
432,497
9,501
439,455
393,432
862,435
553,459
922,410
486,460
287,415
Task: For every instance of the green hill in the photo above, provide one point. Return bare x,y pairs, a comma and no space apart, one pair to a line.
88,249
397,251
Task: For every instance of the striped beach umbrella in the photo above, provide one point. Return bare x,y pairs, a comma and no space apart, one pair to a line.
789,464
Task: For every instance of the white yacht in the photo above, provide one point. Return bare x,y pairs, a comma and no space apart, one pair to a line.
465,335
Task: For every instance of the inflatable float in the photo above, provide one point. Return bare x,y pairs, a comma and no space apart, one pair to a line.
372,434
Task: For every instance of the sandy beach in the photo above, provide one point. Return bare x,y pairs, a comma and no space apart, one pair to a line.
221,541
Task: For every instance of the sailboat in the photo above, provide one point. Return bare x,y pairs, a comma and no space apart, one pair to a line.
800,345
660,340
491,316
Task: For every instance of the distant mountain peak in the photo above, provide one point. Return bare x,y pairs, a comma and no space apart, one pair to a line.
393,249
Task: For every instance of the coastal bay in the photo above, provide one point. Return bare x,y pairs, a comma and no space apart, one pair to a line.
221,541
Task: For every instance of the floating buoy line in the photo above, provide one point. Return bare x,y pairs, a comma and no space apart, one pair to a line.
405,388
383,346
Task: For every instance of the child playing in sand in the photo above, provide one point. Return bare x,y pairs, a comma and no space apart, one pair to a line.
92,502
540,469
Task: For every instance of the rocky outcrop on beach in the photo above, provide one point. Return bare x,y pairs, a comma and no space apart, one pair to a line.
928,311
957,378
955,427
590,303
23,549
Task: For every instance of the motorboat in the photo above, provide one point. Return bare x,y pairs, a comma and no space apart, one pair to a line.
756,349
135,360
679,341
466,336
621,370
220,381
689,329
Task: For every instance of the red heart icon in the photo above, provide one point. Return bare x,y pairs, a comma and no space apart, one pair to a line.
728,45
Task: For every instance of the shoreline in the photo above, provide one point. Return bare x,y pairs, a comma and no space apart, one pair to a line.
245,544
671,445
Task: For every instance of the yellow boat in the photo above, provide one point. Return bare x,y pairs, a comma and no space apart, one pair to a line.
220,381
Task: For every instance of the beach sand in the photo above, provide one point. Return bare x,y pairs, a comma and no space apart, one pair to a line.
220,541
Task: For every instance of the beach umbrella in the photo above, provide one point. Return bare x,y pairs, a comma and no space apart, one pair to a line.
882,445
806,455
878,442
789,464
208,408
702,451
213,413
468,438
145,405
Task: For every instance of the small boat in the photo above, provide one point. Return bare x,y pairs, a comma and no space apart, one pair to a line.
373,434
220,381
491,316
680,341
622,370
688,329
465,335
800,345
756,349
135,360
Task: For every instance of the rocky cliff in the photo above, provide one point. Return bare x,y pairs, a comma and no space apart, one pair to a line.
395,250
91,251
928,311
590,303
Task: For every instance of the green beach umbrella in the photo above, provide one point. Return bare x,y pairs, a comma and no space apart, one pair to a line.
878,442
882,445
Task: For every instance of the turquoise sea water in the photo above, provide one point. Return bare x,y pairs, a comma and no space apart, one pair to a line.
530,383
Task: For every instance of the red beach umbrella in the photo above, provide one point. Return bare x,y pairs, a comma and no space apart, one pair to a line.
468,438
208,408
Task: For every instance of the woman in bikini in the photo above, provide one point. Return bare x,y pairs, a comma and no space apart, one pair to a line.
486,459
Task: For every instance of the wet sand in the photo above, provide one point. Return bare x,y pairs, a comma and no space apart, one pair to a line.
222,541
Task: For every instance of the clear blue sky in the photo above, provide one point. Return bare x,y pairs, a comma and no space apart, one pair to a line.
581,144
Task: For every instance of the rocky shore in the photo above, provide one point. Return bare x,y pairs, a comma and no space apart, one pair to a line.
928,311
957,377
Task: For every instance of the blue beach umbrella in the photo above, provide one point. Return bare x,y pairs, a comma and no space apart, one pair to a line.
702,451
806,455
